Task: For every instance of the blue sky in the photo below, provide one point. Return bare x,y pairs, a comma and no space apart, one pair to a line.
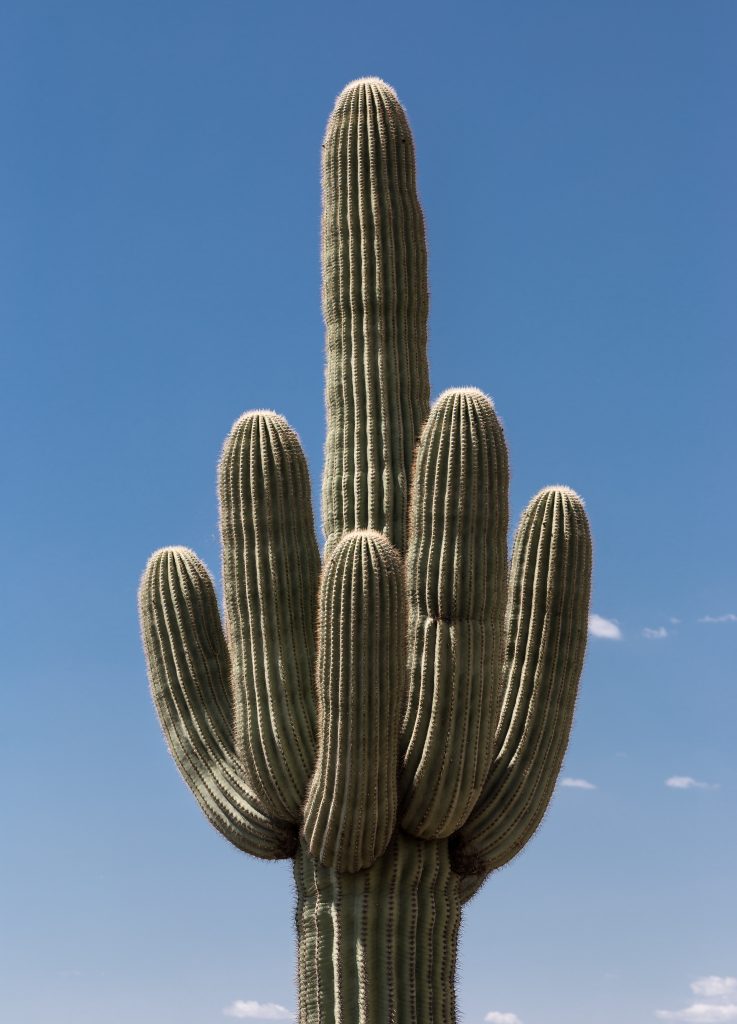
160,275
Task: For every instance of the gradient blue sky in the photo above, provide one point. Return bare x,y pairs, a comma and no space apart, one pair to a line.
160,274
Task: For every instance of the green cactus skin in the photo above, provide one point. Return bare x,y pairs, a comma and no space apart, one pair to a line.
546,632
351,808
396,722
190,683
379,944
271,568
375,301
457,583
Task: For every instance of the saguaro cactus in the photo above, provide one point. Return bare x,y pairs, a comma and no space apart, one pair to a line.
394,721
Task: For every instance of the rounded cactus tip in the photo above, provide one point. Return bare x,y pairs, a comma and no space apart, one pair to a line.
257,423
260,416
367,81
166,559
364,536
367,540
175,552
470,394
563,490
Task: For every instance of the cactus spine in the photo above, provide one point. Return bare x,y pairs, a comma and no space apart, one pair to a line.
396,721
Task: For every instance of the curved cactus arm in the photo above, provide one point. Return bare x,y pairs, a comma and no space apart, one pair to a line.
456,585
351,806
188,668
375,302
547,622
271,567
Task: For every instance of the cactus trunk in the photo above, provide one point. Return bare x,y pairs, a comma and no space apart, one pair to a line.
379,946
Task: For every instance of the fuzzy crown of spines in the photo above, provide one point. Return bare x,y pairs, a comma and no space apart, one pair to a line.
412,681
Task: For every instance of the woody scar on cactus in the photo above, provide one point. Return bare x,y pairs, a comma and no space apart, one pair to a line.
393,720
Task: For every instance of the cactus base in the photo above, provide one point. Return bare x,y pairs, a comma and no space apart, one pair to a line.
378,946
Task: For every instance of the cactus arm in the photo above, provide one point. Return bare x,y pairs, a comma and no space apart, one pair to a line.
350,811
456,583
188,668
375,302
271,567
547,623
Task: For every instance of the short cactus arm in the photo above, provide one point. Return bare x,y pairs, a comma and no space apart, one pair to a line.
457,584
547,626
188,667
351,807
271,566
375,301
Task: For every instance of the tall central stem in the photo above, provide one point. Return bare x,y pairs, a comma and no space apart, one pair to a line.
379,946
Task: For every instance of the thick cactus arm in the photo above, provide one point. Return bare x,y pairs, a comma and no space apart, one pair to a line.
188,668
350,811
271,566
547,627
456,588
375,303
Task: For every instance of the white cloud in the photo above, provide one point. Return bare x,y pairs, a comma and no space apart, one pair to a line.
655,634
577,784
607,629
502,1018
701,1013
729,617
686,782
713,985
674,620
251,1010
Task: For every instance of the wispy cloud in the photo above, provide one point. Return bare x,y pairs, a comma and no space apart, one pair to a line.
655,634
674,620
729,617
576,784
502,1018
606,629
686,782
714,985
701,1013
249,1009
